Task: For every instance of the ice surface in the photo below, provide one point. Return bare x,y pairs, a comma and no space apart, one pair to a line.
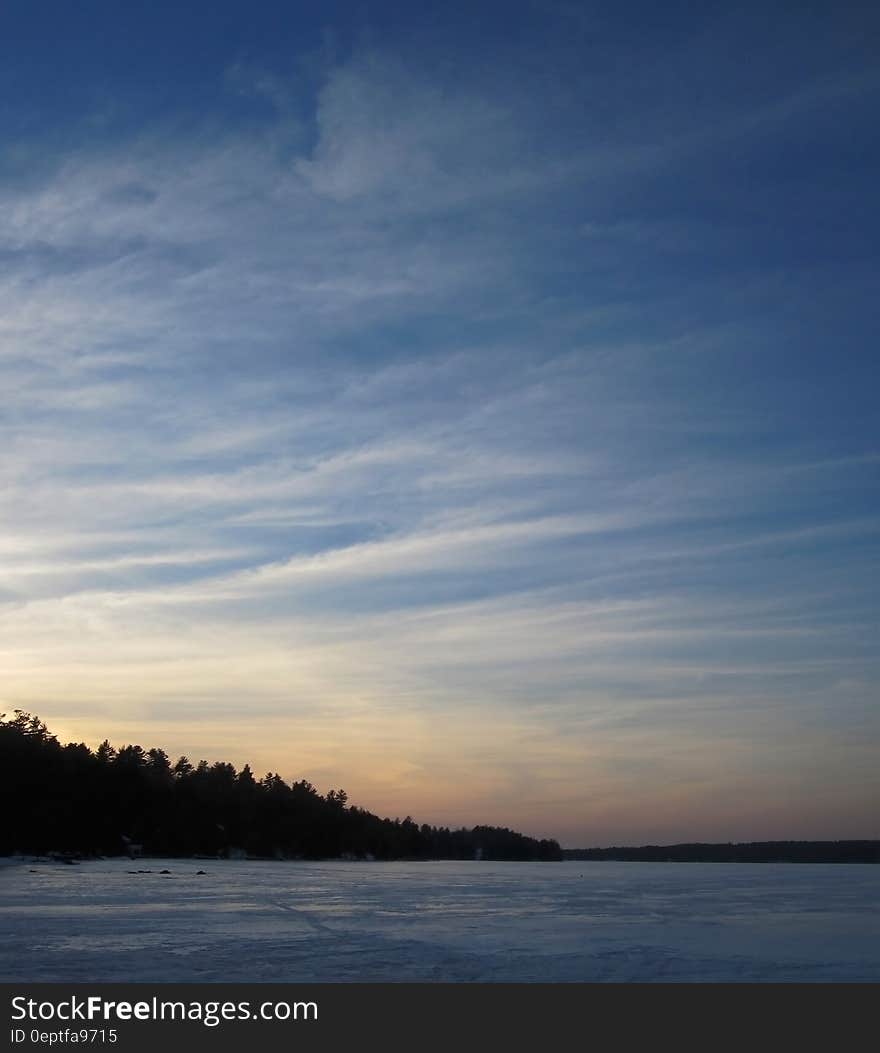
478,921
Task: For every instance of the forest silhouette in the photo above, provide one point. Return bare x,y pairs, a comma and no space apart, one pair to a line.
739,852
71,800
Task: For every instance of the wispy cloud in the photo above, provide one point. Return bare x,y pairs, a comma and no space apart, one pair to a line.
399,434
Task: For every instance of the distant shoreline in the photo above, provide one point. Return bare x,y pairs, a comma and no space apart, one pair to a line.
742,852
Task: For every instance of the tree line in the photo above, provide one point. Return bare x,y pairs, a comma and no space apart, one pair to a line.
75,800
744,852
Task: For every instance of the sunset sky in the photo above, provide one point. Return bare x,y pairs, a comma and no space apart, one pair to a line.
475,408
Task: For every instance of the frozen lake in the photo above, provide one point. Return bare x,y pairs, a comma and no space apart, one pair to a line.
573,921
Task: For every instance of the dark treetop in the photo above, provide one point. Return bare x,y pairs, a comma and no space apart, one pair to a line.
749,852
69,799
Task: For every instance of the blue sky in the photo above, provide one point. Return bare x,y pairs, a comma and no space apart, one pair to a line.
475,409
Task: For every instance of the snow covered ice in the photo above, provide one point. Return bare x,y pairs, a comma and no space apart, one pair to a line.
441,921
